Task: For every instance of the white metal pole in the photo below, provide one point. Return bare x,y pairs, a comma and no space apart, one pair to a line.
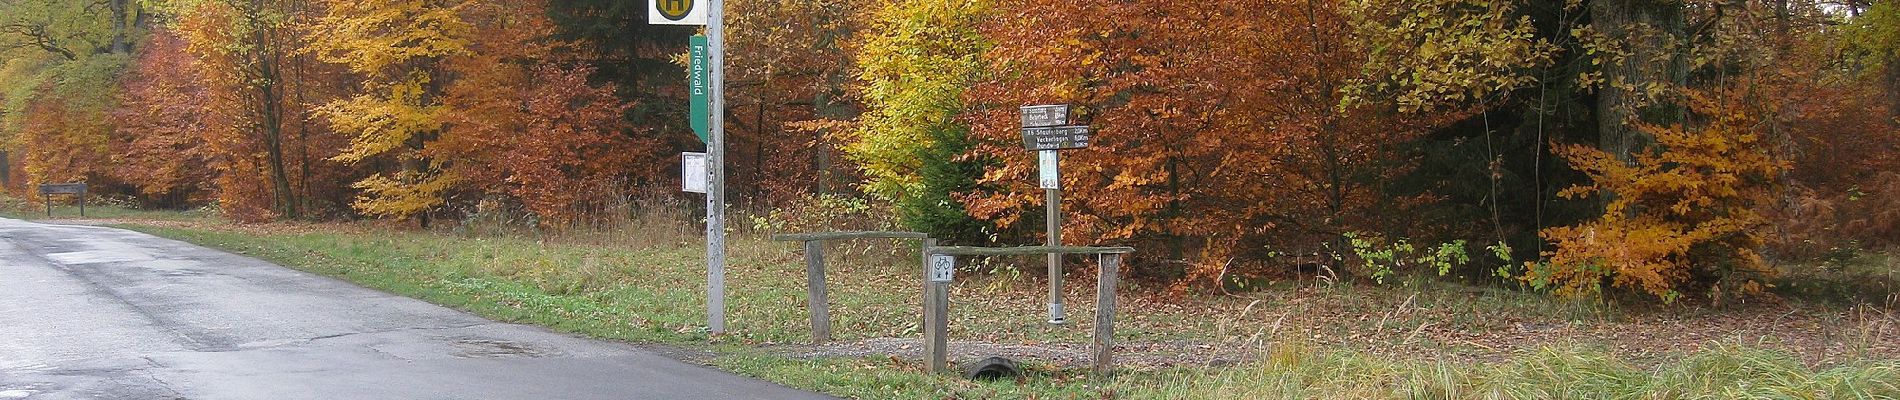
716,160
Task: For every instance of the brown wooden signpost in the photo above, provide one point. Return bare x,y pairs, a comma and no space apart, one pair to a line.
1045,130
76,189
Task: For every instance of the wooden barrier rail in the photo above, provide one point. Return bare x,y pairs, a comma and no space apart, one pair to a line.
937,299
816,294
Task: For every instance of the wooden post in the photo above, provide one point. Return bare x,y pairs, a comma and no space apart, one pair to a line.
1103,347
936,317
816,297
82,201
48,199
925,278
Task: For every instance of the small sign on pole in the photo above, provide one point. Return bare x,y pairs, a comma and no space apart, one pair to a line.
1049,160
943,267
1056,137
676,12
693,172
1045,115
699,99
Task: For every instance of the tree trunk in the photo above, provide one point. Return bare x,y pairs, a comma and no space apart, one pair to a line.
121,26
271,126
1892,81
1646,28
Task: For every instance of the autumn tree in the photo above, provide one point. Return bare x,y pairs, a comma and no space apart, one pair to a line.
790,97
1688,210
60,58
262,85
1773,134
64,127
915,62
397,47
1828,70
1194,129
531,126
158,142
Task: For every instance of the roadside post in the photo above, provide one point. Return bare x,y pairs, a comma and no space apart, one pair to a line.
711,14
76,189
1046,131
940,269
816,295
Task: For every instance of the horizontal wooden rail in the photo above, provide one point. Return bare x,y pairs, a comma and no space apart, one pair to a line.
806,237
1025,250
817,296
937,298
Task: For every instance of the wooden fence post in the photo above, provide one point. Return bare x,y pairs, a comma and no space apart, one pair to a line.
816,296
1103,347
925,279
936,317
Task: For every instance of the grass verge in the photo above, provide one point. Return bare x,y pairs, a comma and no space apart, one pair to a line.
654,294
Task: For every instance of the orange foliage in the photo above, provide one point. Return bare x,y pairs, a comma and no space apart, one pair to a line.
787,89
1679,216
562,147
259,93
534,130
1222,138
1844,184
62,143
158,144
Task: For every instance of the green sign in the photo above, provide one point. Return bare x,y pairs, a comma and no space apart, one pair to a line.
696,83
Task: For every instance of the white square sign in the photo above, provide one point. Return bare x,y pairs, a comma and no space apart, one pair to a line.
677,12
943,267
1051,178
693,173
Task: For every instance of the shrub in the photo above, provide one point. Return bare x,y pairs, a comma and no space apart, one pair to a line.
1680,214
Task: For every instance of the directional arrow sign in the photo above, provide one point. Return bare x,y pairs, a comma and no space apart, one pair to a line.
1045,115
1056,137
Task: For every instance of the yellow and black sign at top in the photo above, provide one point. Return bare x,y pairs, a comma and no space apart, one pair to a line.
675,9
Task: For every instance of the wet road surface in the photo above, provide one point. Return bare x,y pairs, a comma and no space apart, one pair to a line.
100,313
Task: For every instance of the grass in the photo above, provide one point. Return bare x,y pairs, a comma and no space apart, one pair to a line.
71,211
1723,372
1416,339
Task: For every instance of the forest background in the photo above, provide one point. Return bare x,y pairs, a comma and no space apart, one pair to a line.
1654,149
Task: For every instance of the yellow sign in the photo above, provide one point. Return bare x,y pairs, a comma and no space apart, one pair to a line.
677,12
674,9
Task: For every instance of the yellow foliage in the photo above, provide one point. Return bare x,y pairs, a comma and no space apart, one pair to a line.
373,36
404,194
1683,213
399,46
914,68
382,123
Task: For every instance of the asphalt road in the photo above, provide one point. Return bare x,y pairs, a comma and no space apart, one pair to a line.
100,313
